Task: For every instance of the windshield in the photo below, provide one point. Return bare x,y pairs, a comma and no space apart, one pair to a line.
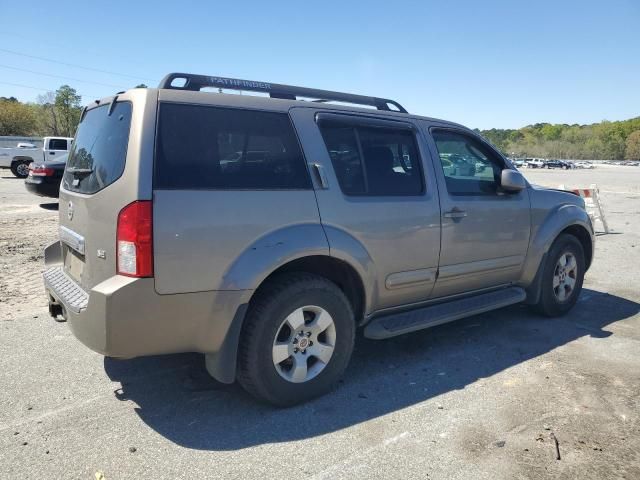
99,150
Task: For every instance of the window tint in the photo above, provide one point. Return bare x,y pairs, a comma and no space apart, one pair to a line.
57,144
470,168
98,155
200,147
373,161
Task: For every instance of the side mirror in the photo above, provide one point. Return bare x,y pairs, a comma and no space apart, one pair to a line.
512,181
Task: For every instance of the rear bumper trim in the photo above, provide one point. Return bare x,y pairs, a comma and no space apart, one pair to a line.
65,289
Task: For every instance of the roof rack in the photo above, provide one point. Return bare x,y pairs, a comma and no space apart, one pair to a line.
197,82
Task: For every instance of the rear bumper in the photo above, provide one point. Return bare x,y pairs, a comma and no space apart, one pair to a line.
42,188
124,317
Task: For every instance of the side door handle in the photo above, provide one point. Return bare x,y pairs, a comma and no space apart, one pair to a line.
320,175
454,213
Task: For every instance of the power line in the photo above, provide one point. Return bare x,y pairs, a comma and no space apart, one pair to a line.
57,62
20,85
26,86
119,87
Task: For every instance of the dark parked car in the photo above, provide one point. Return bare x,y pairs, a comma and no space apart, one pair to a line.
557,164
44,177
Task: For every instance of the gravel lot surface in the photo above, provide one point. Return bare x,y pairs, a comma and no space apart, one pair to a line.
481,398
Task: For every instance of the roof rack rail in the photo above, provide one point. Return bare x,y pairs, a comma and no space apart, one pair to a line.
197,82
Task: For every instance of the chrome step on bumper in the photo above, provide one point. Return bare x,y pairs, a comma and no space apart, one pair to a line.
430,316
65,290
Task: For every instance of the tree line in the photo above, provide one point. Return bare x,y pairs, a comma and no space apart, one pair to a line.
599,141
53,114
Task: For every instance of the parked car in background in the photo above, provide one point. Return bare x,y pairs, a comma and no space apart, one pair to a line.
518,162
56,146
557,164
534,163
325,218
583,164
462,166
44,177
20,157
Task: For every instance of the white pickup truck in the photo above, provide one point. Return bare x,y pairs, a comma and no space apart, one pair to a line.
18,158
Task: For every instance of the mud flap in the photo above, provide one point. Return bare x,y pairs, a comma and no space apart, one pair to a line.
535,289
222,364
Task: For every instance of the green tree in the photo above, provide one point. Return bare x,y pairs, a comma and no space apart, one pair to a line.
142,85
16,118
47,115
632,150
602,141
551,132
67,103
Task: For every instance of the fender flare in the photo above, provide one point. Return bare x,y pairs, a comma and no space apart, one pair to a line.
556,221
271,251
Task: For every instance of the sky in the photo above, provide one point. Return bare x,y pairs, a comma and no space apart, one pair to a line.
485,64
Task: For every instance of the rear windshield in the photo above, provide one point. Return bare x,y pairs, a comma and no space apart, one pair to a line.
200,147
99,151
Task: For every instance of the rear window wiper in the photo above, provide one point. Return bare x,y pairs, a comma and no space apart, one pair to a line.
79,171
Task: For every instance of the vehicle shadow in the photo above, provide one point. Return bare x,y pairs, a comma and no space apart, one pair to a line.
175,396
11,177
50,206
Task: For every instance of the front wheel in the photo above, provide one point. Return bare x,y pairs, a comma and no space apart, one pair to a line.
20,169
297,339
562,277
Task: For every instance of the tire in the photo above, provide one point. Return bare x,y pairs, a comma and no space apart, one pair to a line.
267,328
18,168
557,300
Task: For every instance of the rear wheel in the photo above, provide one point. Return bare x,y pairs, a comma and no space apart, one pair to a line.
20,168
297,339
562,277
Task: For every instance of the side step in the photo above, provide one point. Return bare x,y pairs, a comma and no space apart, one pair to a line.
430,316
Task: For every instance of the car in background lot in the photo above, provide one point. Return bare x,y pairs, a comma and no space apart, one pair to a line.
518,162
19,158
44,177
583,164
462,166
558,164
534,163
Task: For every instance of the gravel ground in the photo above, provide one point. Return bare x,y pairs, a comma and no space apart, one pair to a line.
484,397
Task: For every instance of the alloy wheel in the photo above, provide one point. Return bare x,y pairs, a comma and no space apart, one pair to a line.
565,275
304,344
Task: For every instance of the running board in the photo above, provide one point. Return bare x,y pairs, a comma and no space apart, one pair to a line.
400,323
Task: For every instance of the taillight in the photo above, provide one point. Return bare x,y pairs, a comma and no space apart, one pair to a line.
134,237
40,171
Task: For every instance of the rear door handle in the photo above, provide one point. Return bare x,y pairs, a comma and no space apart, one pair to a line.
455,213
320,174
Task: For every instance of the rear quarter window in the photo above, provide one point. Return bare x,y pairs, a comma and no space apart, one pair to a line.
201,147
57,144
99,152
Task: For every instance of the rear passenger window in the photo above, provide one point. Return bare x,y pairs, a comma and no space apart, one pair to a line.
201,147
372,160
